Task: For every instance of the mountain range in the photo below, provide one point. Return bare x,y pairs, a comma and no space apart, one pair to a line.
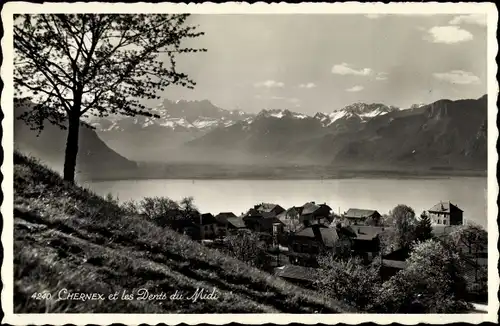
441,135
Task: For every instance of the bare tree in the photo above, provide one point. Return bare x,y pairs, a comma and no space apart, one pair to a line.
76,65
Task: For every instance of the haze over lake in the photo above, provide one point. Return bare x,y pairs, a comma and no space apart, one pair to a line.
238,196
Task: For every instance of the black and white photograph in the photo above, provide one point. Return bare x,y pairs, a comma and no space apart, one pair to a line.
268,159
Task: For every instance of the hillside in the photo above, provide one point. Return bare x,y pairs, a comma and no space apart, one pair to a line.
95,159
67,237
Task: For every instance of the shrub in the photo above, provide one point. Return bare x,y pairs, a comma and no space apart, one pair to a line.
348,280
432,282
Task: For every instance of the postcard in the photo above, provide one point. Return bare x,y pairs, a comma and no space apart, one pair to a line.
252,163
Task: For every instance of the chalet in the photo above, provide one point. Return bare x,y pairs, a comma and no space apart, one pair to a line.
269,208
300,275
362,216
235,224
206,224
312,213
445,213
260,221
291,218
318,238
366,241
222,222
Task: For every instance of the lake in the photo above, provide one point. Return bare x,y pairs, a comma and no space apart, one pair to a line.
237,196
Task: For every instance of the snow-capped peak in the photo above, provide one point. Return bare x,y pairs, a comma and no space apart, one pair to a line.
278,113
362,111
417,105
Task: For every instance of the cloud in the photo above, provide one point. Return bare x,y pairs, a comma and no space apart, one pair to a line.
270,84
356,88
448,34
458,77
382,76
476,19
346,69
307,85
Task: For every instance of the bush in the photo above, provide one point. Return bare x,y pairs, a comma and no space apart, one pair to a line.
163,211
247,247
432,282
348,280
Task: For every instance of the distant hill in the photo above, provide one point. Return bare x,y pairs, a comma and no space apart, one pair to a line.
95,159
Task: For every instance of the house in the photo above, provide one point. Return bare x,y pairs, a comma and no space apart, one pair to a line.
445,213
222,223
234,224
300,275
290,218
318,238
366,240
206,225
269,208
260,221
312,213
362,216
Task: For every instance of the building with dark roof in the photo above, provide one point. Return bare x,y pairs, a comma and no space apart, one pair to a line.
201,226
445,213
290,219
263,222
362,216
366,242
228,223
318,238
269,208
314,213
299,275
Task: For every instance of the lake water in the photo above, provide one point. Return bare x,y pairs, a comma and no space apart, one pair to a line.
237,196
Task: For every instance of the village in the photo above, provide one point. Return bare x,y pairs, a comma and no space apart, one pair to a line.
294,238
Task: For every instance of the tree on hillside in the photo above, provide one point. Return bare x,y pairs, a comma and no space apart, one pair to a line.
76,65
471,237
348,280
247,247
423,229
432,282
470,240
404,225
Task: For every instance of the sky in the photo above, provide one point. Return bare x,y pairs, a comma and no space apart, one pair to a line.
319,63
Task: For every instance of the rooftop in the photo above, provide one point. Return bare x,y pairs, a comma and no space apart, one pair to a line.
206,218
444,207
366,232
309,208
237,222
359,213
327,236
296,272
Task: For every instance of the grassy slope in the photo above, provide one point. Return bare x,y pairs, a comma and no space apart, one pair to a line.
67,237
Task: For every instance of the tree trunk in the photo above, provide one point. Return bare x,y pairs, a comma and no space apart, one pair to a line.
72,144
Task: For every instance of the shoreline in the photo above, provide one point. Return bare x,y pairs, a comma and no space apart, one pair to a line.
411,175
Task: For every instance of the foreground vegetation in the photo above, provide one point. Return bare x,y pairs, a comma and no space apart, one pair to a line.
66,237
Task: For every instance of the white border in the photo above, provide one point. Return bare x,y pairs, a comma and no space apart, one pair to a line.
244,8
